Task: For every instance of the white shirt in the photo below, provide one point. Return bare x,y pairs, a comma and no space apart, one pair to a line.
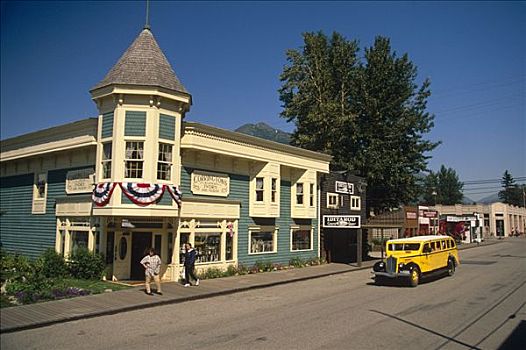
152,264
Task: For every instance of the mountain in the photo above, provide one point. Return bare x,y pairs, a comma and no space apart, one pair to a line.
265,131
467,200
490,199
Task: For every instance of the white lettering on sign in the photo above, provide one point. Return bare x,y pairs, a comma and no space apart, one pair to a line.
410,215
352,221
210,184
79,181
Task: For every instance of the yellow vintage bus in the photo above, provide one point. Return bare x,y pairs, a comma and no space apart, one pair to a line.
416,257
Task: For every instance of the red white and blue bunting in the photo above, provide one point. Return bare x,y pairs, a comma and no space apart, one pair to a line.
139,193
176,194
102,193
142,194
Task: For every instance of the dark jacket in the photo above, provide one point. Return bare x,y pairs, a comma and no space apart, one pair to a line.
189,257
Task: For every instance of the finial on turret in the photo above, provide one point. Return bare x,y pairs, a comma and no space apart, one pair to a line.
147,25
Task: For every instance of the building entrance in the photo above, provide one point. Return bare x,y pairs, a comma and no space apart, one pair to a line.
140,242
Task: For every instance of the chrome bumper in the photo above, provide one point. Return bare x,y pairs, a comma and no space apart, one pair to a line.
393,274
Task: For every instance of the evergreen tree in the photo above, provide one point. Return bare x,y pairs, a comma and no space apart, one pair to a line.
370,116
449,187
511,192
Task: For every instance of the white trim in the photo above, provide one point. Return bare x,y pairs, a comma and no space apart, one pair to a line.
50,147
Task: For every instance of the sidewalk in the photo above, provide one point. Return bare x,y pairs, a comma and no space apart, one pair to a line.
47,313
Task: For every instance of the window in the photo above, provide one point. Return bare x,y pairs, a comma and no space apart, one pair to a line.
259,189
106,160
301,239
311,195
134,159
40,186
299,193
164,163
333,200
208,247
79,240
273,190
39,194
229,246
355,203
404,246
262,242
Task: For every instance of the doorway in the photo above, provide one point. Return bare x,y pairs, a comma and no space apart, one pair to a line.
140,242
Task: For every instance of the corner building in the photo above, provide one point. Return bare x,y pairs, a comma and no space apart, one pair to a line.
159,181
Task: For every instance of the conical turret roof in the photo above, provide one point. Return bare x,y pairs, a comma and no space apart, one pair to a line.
143,63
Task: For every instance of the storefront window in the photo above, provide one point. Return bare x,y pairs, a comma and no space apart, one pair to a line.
208,247
229,247
261,242
301,239
79,240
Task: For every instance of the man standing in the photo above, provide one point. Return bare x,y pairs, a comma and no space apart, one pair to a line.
189,265
152,269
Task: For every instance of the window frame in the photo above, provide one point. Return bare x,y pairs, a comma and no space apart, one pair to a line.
300,195
335,196
138,161
168,164
39,200
273,190
263,229
358,200
106,162
311,238
260,191
311,195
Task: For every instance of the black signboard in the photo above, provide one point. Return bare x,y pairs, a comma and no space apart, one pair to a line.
341,221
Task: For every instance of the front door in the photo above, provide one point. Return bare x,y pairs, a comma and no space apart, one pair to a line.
140,242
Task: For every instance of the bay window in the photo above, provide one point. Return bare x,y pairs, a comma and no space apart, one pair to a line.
134,159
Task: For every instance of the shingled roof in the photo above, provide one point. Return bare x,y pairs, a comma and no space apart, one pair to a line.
143,63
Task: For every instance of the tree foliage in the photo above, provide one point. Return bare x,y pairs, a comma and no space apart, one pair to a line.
369,113
511,192
443,187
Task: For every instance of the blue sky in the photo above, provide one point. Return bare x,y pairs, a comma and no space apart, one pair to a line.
229,55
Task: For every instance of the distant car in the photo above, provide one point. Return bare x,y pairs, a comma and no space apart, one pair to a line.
412,258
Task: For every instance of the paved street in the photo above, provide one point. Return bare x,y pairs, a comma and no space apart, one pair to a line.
479,307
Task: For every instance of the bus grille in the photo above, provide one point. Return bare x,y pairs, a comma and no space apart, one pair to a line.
390,265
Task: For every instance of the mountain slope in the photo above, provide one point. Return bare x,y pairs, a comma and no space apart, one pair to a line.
265,131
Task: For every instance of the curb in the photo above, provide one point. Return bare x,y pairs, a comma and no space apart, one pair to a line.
174,301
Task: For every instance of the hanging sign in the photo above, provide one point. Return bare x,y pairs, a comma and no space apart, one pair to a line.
341,221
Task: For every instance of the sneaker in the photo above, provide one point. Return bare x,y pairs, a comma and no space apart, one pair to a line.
187,285
197,282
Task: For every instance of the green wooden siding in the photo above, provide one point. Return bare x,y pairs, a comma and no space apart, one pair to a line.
167,127
239,190
107,125
23,232
135,124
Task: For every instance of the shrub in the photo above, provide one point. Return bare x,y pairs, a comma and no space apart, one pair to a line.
52,265
241,269
86,265
212,272
231,271
15,267
297,262
263,266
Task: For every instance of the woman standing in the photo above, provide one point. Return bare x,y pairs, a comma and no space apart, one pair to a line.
152,270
